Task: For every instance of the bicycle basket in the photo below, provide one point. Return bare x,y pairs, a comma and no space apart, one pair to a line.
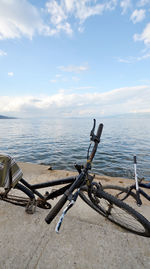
10,172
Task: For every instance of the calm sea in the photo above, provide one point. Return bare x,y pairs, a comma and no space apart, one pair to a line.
63,142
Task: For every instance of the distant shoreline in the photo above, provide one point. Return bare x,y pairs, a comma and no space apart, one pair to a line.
6,118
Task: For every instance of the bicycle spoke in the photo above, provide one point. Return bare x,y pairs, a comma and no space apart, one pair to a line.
118,212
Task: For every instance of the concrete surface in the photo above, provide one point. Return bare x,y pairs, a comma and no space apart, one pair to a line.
86,240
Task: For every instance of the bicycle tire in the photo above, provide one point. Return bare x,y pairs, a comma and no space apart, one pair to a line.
19,200
117,212
119,192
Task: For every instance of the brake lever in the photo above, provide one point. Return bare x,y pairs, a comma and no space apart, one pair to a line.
71,203
94,137
93,129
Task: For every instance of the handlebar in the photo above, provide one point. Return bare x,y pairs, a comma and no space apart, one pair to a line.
96,139
81,177
55,210
99,131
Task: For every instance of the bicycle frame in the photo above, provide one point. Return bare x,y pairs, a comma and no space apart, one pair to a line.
33,188
30,201
134,195
138,185
142,185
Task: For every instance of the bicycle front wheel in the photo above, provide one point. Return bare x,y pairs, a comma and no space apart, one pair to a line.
117,211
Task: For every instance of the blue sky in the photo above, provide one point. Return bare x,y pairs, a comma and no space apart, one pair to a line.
74,58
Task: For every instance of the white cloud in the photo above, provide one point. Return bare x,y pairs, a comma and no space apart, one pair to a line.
58,76
69,5
130,60
126,61
76,79
3,53
20,18
80,9
63,11
143,57
125,5
58,17
10,74
57,13
117,101
142,3
85,88
84,11
138,15
74,68
111,5
53,80
145,36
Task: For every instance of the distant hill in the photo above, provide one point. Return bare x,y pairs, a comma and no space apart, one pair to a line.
5,117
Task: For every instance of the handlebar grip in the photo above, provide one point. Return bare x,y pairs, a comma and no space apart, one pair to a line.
99,131
138,200
54,211
134,158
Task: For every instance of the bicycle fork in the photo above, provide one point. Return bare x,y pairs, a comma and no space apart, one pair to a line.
139,202
72,200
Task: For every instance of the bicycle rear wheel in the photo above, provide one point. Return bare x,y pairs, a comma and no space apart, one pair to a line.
117,211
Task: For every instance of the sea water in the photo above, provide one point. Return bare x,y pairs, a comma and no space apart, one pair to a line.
63,142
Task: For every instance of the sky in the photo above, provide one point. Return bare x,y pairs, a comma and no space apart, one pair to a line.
74,58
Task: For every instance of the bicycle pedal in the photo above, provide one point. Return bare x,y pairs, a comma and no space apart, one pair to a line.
31,207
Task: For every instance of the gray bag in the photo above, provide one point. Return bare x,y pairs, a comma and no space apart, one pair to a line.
10,172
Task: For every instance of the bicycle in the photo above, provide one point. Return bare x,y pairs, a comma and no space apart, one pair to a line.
84,187
133,191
